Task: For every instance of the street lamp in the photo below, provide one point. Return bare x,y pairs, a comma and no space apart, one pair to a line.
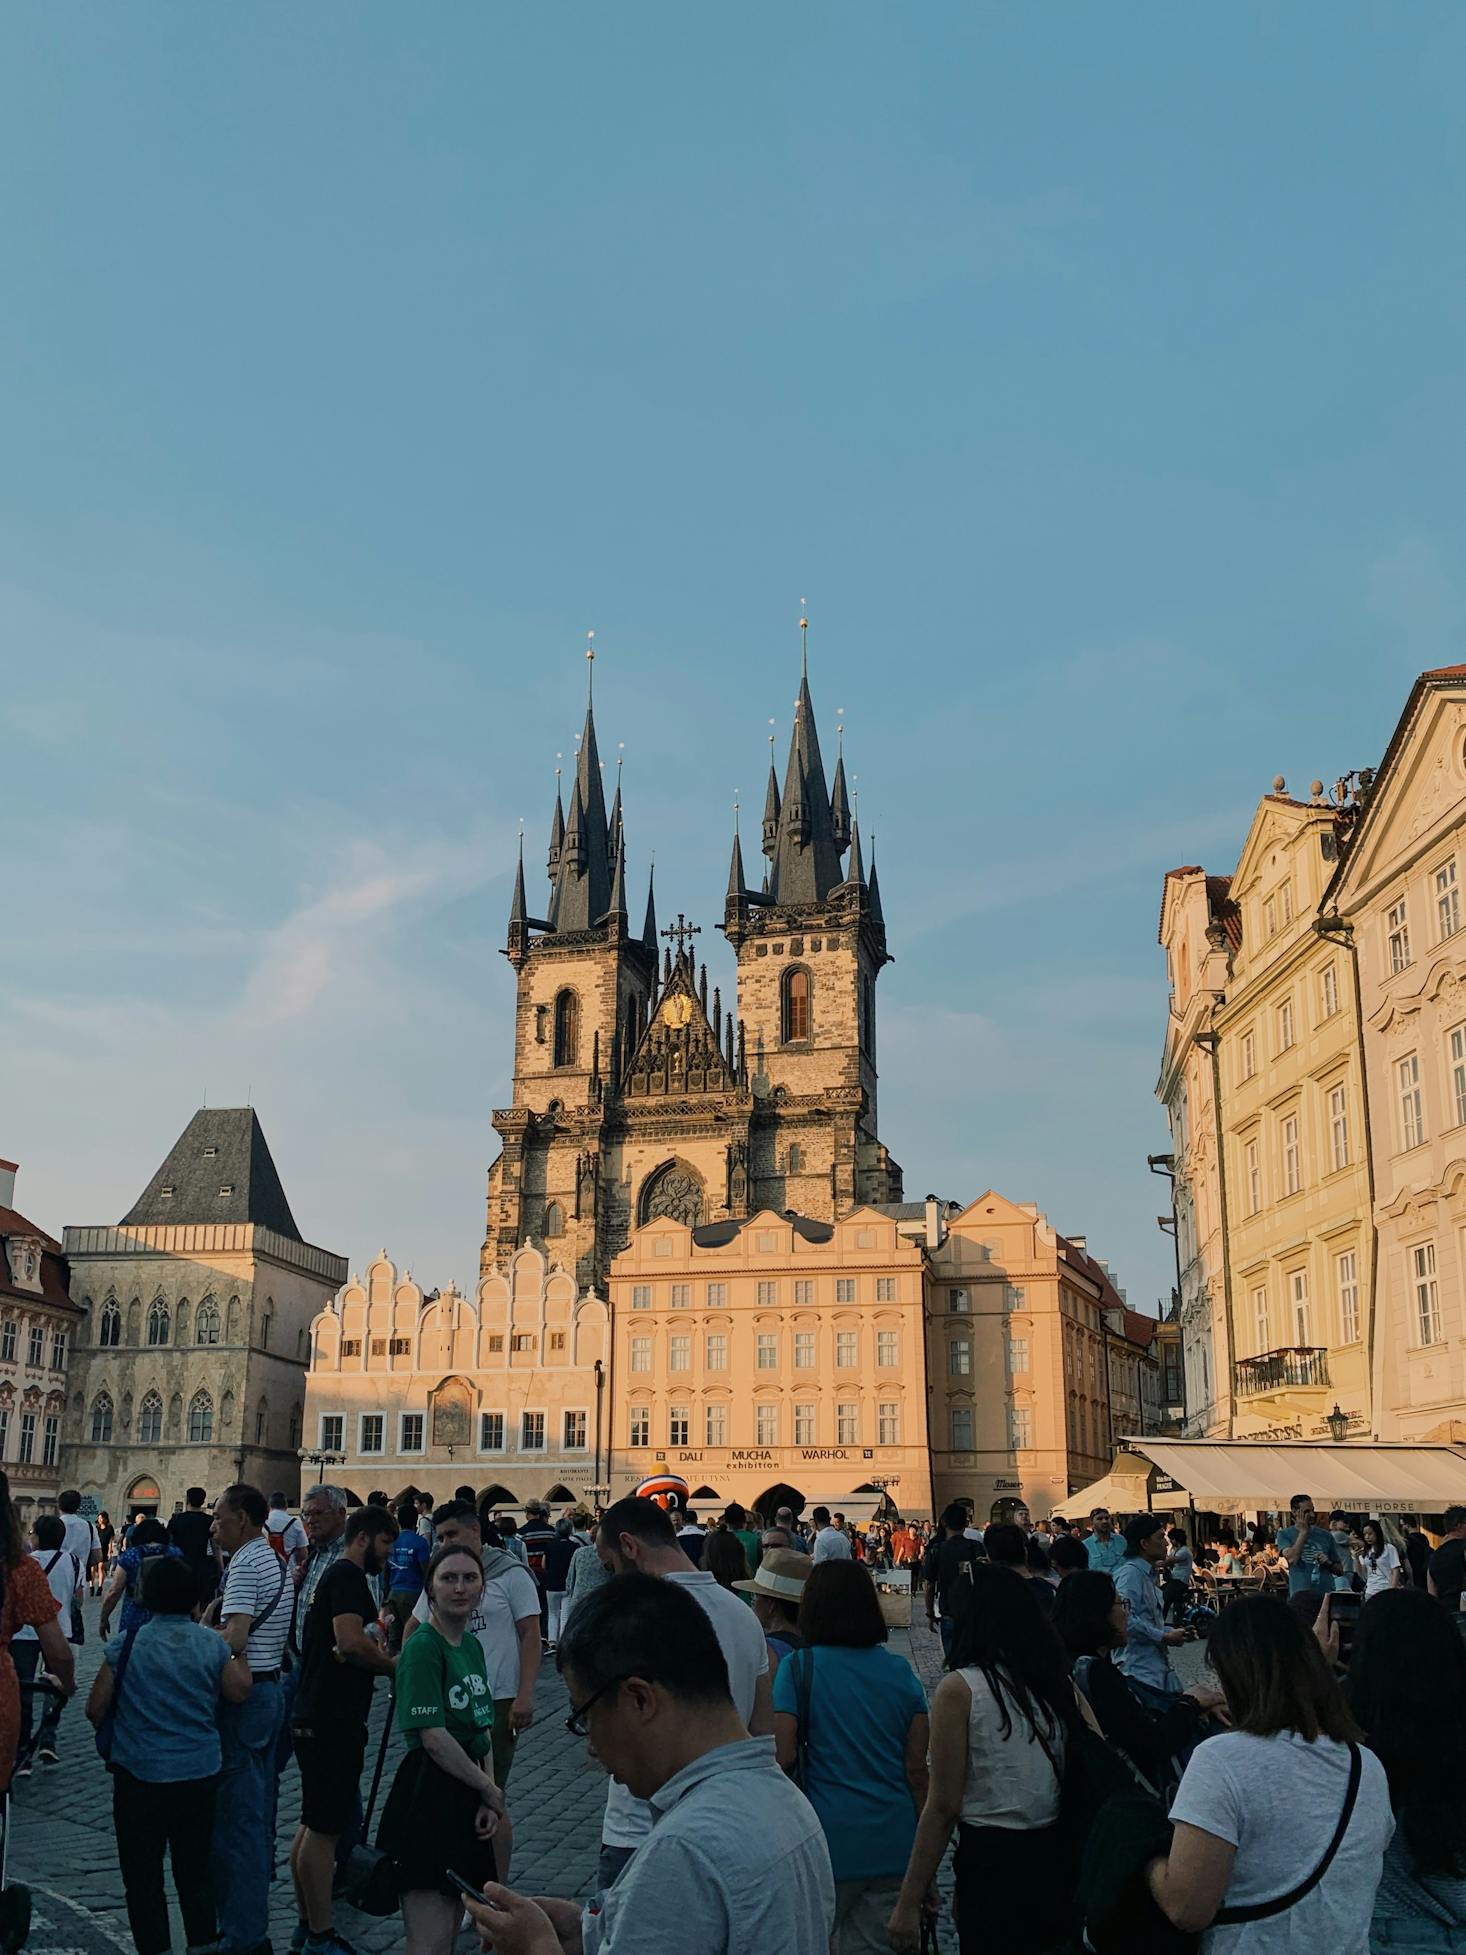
1338,1424
321,1458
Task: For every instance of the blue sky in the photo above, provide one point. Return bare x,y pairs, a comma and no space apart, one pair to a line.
1095,373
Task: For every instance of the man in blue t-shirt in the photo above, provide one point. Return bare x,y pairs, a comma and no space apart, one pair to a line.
410,1554
1312,1555
1105,1548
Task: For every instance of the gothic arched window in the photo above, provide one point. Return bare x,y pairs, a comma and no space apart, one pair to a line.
567,1028
201,1419
150,1420
158,1322
796,1158
101,1419
554,1220
868,1017
206,1324
795,1015
109,1332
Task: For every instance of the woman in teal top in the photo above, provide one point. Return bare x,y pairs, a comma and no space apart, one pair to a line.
867,1742
444,1806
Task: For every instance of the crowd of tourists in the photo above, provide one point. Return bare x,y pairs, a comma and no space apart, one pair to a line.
779,1779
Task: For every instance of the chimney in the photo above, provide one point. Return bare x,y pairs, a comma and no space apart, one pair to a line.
8,1172
1081,1243
934,1229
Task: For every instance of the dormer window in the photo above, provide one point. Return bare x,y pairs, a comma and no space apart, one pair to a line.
210,1152
226,1188
166,1191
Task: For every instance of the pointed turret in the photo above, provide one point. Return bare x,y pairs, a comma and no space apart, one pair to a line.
557,829
613,827
877,915
857,867
771,809
649,927
583,881
840,807
519,908
737,888
806,859
618,910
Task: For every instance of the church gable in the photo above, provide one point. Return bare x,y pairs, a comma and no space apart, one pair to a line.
1421,786
678,1052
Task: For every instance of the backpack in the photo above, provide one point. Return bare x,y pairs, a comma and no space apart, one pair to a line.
276,1538
952,1562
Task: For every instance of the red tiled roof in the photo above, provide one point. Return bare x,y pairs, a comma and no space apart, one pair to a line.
1446,672
1140,1328
54,1272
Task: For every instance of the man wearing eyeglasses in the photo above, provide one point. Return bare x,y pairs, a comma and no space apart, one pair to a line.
649,1684
637,1536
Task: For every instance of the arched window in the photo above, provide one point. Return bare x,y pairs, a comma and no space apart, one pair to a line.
294,1427
795,1158
150,1420
796,1006
262,1413
180,1320
567,1028
554,1220
201,1419
206,1324
109,1332
101,1419
158,1322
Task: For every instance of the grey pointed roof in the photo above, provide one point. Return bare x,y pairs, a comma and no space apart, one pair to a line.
649,926
771,808
737,888
583,882
806,860
840,806
557,830
857,869
221,1148
618,880
519,908
873,890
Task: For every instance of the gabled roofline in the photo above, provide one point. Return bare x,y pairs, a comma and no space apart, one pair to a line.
1439,679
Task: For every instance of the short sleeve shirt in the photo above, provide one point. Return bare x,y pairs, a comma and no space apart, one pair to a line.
1105,1556
28,1599
332,1693
410,1555
1447,1569
443,1687
256,1578
508,1598
63,1572
1309,1571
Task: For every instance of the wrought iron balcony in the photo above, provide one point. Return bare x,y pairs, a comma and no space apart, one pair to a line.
1301,1366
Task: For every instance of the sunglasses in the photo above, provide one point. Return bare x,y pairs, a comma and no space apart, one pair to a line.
575,1724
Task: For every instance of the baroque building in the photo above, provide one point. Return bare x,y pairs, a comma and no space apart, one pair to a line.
636,1094
37,1331
196,1307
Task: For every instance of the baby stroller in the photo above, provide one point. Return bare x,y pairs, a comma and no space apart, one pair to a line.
15,1901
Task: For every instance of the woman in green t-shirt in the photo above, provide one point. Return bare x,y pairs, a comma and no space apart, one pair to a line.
444,1805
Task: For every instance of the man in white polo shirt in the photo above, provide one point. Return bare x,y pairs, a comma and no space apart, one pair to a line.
253,1616
637,1535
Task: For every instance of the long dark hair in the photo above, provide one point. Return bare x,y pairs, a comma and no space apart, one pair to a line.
1274,1674
1001,1630
1407,1687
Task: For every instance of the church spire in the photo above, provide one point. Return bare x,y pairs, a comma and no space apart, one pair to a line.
806,857
771,807
515,948
877,915
583,879
857,867
840,801
557,828
649,927
618,880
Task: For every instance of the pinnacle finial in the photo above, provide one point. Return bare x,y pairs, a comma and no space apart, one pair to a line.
803,639
590,668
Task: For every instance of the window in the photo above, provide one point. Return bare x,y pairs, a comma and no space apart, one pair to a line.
680,1358
1270,917
567,1028
641,1296
888,1347
803,1291
804,1350
717,1296
1298,1297
959,1301
1457,1045
201,1420
847,1424
679,1425
158,1322
110,1331
1249,1054
888,1423
768,1294
522,1341
557,1340
961,1428
1339,1126
1412,1112
532,1432
1427,1296
36,1345
847,1350
641,1354
351,1347
717,1351
554,1220
1447,899
27,1438
412,1432
206,1324
766,1425
491,1432
1285,1024
959,1356
1259,1319
101,1419
1285,902
794,1160
1020,1426
496,1341
681,1295
575,1430
150,1420
166,1191
641,1425
51,1440
373,1432
1398,925
1018,1354
1014,1296
1292,1156
715,1425
1328,985
1252,1170
1346,1284
844,1289
768,1350
333,1432
885,1289
795,1013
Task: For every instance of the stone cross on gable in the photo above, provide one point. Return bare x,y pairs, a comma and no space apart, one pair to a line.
682,930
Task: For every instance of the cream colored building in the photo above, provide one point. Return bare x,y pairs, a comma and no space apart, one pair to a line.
38,1324
1298,1226
191,1358
1198,925
773,1359
506,1391
1398,892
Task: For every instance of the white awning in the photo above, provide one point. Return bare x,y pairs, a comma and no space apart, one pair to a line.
1122,1490
1227,1475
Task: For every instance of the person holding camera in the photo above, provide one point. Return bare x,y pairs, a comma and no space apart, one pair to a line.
1314,1559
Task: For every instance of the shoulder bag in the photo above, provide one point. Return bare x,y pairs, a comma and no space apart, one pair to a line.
106,1729
371,1881
1228,1917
